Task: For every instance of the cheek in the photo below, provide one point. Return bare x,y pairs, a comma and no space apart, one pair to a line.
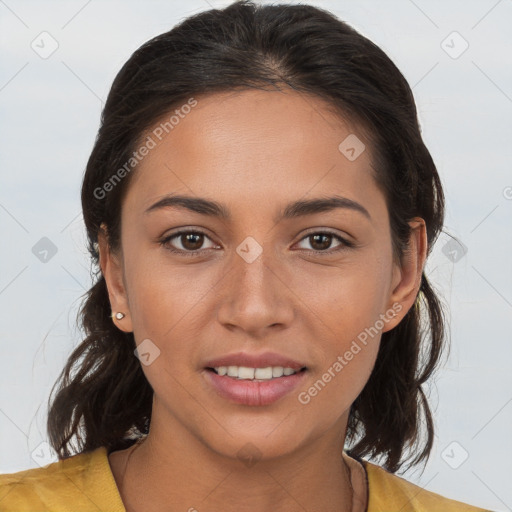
169,306
164,296
346,298
346,342
345,308
335,386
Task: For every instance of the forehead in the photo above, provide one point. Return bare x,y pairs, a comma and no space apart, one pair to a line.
254,144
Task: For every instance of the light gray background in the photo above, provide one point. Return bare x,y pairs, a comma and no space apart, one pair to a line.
50,111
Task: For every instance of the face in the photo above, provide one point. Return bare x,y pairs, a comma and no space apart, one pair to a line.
315,285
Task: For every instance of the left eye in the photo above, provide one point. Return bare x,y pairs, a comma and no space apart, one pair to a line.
322,241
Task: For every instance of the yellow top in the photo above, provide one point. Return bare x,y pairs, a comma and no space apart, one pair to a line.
85,483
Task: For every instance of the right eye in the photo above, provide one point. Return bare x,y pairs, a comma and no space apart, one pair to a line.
190,241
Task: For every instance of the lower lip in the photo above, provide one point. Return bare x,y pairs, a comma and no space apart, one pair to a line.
247,392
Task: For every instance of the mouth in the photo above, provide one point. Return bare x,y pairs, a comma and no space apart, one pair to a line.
255,374
254,386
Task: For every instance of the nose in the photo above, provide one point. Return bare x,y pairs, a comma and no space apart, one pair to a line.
256,296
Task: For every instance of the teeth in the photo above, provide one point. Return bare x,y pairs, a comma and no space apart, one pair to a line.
277,371
261,373
232,371
243,372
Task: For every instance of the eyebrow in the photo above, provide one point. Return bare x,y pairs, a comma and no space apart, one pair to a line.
292,210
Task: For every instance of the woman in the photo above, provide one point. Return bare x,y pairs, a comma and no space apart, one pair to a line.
260,205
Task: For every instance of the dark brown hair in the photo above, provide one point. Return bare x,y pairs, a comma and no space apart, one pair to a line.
104,398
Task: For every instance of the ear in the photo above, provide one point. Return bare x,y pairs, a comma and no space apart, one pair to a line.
112,270
407,275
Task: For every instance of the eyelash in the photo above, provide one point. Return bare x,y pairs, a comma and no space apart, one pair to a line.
344,243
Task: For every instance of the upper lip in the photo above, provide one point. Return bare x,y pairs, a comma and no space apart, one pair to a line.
262,360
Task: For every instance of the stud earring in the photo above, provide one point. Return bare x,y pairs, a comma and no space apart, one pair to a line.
119,315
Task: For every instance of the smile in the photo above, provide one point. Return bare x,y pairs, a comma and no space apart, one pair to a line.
263,374
253,386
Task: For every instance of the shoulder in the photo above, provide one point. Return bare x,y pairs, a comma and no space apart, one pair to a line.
80,481
389,492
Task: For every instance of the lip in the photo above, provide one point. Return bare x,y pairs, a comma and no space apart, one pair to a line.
254,393
262,360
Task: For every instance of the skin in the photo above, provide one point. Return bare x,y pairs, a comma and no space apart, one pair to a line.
253,151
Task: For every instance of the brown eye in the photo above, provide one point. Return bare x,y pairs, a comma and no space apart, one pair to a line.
191,241
321,242
187,243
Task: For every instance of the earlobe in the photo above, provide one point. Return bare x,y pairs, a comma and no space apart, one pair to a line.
112,271
409,274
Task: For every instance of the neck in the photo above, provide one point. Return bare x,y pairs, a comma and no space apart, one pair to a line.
160,471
